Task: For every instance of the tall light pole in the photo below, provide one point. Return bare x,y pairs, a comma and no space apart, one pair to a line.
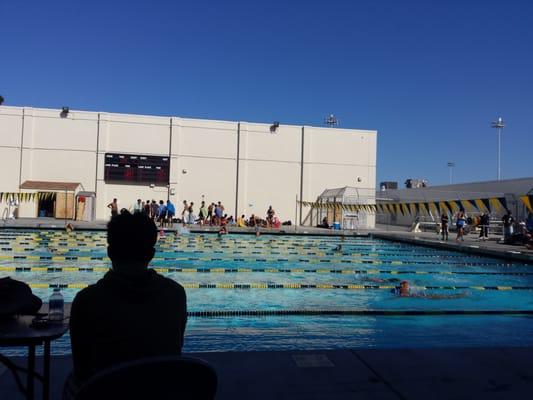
499,125
451,164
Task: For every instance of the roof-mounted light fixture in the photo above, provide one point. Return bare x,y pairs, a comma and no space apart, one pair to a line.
331,120
274,127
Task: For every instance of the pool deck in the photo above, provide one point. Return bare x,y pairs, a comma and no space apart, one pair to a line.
476,373
471,244
59,224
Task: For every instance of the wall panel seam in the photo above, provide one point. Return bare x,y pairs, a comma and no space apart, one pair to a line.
55,149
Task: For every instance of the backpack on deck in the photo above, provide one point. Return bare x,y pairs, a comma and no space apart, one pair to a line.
16,298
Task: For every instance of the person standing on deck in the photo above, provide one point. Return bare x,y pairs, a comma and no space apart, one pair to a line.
202,214
185,209
191,218
138,206
171,211
460,225
114,208
484,222
507,221
444,226
154,209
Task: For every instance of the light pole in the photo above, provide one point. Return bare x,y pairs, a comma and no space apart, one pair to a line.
451,164
499,125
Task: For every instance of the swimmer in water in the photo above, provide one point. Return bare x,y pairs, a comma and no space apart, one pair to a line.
223,230
338,249
405,291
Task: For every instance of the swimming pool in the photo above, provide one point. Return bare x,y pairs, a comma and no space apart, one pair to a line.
298,292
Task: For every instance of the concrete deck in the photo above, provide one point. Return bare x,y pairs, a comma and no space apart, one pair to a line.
100,225
470,245
487,373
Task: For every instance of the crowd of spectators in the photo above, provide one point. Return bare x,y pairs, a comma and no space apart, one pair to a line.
514,232
164,213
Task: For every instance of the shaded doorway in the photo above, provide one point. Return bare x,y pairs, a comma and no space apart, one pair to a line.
46,206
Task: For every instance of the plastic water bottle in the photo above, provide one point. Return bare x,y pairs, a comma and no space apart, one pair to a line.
55,307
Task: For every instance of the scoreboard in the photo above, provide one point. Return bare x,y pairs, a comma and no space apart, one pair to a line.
136,169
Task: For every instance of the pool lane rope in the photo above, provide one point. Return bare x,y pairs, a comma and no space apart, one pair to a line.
230,256
234,313
259,285
182,246
249,259
221,270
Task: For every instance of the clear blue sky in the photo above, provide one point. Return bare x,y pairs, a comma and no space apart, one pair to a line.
430,76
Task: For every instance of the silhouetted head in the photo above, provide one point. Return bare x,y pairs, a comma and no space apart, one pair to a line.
131,239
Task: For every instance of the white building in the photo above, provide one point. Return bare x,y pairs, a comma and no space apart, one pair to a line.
246,166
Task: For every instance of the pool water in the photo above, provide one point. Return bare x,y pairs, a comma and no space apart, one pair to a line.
275,274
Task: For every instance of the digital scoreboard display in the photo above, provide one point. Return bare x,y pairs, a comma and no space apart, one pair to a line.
136,169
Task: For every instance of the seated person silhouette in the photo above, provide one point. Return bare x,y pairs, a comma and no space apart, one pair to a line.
132,312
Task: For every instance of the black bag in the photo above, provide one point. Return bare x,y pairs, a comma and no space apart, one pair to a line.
16,298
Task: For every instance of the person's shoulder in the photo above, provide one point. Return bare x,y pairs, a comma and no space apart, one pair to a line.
169,284
88,294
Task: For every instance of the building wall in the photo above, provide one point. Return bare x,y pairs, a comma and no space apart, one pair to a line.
269,169
205,155
347,158
211,160
10,148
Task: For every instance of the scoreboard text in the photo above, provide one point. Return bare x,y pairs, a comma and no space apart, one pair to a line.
136,169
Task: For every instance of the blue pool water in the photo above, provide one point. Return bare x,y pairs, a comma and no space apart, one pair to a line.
245,273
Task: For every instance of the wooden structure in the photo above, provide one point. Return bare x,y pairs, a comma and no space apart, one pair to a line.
63,199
